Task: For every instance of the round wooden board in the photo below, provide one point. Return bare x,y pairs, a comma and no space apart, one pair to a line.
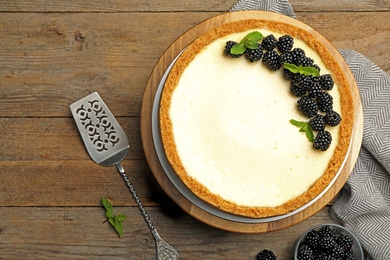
151,155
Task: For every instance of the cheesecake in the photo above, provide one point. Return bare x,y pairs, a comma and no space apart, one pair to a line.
226,124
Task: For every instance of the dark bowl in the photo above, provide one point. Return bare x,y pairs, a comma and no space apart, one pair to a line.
356,247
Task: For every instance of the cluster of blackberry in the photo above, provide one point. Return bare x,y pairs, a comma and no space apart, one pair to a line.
314,102
265,51
326,243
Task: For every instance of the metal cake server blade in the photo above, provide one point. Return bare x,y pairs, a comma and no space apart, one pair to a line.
108,145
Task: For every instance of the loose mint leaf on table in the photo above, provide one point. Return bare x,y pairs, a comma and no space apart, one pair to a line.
117,224
119,228
107,205
248,42
121,217
114,220
304,127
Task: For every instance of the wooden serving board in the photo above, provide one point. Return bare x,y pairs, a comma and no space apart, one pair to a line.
151,155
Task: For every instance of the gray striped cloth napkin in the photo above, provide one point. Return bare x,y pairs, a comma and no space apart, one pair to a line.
364,203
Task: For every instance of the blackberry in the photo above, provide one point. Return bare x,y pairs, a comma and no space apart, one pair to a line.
349,256
345,242
315,90
254,54
229,45
326,82
304,61
322,142
307,106
312,238
337,252
266,255
317,123
297,90
327,231
325,101
286,58
299,78
305,252
288,74
285,43
320,254
315,79
269,42
332,118
326,242
271,60
297,54
303,81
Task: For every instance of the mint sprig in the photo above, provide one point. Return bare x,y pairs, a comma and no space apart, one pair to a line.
249,41
304,127
305,70
114,220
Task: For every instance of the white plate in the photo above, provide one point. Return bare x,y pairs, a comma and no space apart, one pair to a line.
183,189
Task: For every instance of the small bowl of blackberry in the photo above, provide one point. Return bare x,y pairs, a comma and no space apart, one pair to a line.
328,241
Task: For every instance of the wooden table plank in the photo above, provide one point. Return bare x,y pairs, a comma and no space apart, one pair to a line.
56,139
340,6
75,183
342,31
179,6
43,68
79,233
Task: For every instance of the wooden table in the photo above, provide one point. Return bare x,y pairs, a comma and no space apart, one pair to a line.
53,53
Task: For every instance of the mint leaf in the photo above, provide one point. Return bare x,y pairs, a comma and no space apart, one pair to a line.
249,41
310,134
297,123
251,45
114,220
304,127
119,228
307,70
121,217
107,205
310,71
109,213
253,37
238,48
291,67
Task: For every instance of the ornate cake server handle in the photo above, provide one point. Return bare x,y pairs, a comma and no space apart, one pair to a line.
107,145
164,250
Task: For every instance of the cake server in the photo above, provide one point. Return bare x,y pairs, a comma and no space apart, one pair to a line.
107,145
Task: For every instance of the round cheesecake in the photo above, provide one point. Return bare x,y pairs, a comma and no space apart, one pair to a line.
226,131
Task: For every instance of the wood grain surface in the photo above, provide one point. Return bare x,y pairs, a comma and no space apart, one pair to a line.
53,53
